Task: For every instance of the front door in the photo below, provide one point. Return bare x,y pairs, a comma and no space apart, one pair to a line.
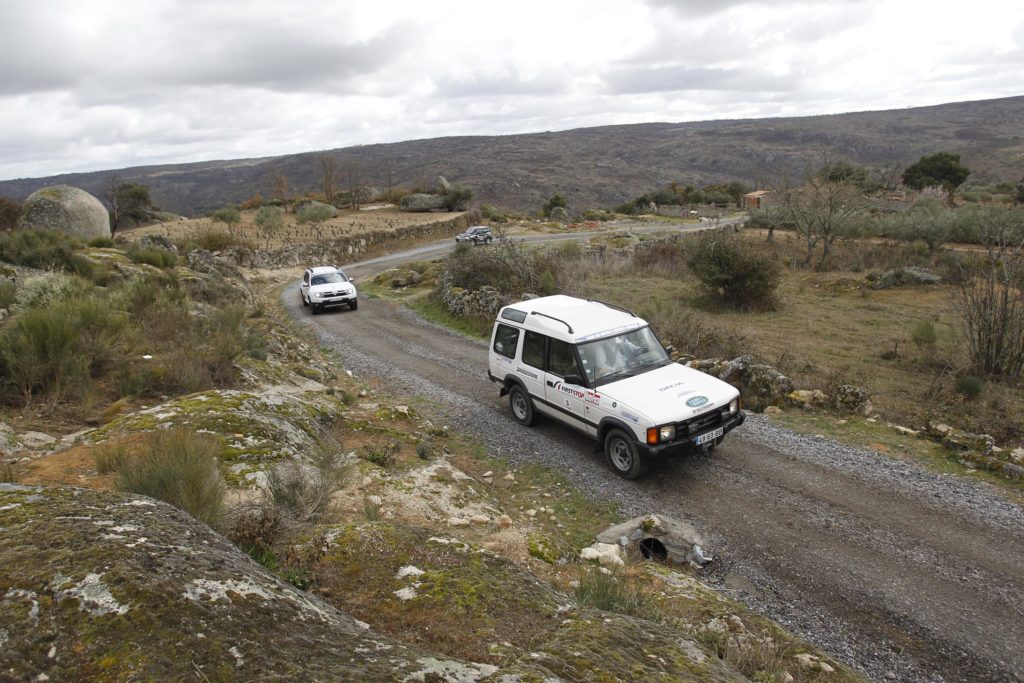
563,383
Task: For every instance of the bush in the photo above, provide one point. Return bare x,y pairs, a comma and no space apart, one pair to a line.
45,250
110,457
731,272
970,386
214,240
101,243
302,492
49,289
40,353
8,293
154,256
178,467
923,335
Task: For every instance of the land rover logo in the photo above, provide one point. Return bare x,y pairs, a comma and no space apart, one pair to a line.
696,401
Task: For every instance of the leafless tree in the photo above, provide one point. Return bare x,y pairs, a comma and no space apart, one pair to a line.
354,169
990,297
328,166
110,194
278,185
819,208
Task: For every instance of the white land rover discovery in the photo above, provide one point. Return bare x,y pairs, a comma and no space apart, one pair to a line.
601,370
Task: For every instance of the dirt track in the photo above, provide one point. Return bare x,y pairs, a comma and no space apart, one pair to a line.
905,574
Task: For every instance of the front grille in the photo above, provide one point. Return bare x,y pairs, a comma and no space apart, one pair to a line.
703,423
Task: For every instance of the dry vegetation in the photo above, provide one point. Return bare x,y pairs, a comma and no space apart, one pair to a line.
348,223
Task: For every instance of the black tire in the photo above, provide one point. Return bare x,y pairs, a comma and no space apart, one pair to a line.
521,404
315,308
623,457
488,240
353,305
303,299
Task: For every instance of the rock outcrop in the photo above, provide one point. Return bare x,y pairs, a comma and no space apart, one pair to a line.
760,385
903,276
105,586
65,209
421,202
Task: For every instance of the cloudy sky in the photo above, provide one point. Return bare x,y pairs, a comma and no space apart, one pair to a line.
98,84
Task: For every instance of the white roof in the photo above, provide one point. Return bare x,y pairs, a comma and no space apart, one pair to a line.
316,270
588,320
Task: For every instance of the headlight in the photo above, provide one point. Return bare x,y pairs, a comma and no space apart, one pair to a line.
667,433
734,406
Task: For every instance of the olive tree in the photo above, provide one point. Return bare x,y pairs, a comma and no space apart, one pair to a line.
268,223
230,216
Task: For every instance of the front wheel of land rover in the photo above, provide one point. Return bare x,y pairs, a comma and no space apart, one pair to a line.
522,406
622,454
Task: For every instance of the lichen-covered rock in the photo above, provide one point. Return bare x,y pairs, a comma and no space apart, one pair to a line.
760,385
65,209
560,214
421,202
102,586
256,428
807,398
308,204
209,278
158,242
959,440
909,275
851,399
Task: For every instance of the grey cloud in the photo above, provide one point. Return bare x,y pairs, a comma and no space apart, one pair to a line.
632,80
486,86
699,8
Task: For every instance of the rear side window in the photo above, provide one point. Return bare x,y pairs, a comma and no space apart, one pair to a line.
533,349
506,339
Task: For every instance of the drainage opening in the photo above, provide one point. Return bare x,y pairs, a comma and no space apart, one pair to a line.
653,549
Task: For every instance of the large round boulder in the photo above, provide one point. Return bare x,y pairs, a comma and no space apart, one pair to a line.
65,209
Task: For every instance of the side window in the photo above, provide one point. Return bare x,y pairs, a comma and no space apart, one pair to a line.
533,349
305,278
505,340
561,359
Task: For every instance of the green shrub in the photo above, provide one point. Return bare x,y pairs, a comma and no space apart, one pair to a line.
733,273
101,243
110,457
615,594
154,256
970,386
8,293
48,289
923,335
40,352
302,491
214,240
424,450
180,467
45,250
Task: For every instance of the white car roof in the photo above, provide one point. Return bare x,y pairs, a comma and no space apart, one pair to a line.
588,320
317,270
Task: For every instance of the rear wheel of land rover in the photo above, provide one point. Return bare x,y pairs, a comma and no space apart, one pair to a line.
522,406
623,458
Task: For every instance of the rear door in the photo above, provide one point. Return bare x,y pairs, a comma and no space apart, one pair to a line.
530,368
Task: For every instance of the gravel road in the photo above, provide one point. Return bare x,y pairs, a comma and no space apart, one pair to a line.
905,574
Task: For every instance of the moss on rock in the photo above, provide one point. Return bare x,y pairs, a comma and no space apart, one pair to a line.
99,586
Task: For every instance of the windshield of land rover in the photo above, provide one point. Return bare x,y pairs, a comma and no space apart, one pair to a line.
625,355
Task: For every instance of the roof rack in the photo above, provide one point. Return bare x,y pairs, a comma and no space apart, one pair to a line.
553,318
613,306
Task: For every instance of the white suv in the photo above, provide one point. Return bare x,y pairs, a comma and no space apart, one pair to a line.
601,370
326,286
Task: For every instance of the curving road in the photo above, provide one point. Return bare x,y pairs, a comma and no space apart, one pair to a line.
905,574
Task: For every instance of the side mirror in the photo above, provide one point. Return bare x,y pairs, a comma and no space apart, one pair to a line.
670,349
351,279
573,379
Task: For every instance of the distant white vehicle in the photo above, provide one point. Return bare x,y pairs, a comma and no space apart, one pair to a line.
602,371
326,287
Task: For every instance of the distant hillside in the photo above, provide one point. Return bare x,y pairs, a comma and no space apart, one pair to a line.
606,165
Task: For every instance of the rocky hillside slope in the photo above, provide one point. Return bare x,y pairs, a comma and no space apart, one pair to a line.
430,561
603,166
